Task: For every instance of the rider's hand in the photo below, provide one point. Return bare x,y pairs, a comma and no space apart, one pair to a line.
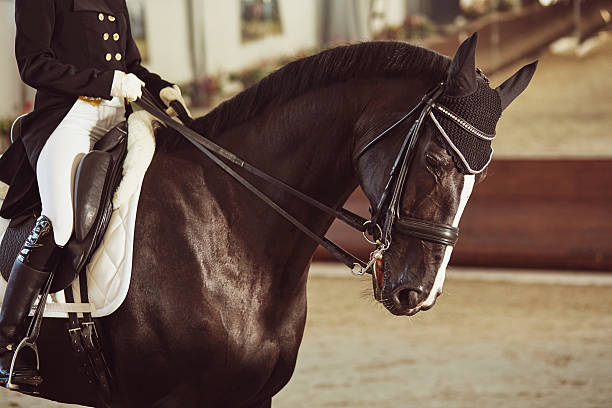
170,94
127,86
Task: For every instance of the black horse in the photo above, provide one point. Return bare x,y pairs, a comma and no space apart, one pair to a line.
217,305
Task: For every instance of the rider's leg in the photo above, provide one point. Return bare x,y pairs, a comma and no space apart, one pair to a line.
31,269
55,172
58,161
55,169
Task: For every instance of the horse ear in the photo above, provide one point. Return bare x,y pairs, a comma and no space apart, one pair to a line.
461,79
513,86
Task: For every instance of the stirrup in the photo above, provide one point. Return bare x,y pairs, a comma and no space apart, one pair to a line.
26,342
29,340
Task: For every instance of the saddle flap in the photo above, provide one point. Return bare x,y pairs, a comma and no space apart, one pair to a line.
96,179
90,181
114,258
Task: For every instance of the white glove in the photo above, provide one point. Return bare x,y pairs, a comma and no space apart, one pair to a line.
127,86
170,94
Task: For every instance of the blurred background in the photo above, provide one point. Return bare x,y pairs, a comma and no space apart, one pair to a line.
525,319
549,178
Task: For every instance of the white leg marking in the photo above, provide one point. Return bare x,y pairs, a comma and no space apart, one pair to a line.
468,186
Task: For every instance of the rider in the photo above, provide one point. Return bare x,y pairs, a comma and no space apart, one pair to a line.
81,58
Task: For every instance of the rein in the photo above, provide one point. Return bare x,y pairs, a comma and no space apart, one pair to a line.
387,210
215,152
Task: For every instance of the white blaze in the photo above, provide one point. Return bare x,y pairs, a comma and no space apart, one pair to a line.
468,186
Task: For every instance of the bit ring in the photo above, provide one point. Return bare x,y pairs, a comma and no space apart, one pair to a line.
377,241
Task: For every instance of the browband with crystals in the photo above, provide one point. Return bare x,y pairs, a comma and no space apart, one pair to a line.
463,123
456,150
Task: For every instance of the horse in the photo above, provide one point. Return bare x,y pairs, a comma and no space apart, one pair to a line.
216,310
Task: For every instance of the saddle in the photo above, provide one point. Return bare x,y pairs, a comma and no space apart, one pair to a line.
97,176
101,196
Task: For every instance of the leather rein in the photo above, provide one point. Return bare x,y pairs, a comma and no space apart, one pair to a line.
390,199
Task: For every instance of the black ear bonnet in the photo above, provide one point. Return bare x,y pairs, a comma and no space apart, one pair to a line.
481,109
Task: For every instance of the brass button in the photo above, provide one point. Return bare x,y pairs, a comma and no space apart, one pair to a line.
118,56
111,18
116,36
106,36
101,17
109,56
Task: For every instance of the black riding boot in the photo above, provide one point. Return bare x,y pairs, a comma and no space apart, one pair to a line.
30,272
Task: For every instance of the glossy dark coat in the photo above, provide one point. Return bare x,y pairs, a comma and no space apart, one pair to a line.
217,305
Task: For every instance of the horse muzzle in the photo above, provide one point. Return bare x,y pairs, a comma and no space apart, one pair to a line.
406,299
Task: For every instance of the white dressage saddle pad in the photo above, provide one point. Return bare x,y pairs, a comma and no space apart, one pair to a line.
109,270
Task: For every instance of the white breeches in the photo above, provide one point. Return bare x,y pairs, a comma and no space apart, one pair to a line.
84,125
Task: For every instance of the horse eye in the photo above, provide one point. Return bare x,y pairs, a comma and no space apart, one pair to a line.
432,160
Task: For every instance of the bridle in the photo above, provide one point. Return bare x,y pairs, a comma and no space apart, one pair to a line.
386,211
388,208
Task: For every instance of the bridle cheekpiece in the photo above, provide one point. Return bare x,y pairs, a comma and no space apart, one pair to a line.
385,217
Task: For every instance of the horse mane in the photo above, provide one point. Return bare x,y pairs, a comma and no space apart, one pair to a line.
368,59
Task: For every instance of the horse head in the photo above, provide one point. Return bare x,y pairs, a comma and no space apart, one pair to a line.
416,212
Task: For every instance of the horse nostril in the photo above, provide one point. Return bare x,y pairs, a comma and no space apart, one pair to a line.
407,298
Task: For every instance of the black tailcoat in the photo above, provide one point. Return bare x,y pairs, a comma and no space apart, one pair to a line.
66,49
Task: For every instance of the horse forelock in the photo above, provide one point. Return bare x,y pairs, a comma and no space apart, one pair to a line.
370,59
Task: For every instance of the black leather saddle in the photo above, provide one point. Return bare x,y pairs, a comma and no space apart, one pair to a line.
97,177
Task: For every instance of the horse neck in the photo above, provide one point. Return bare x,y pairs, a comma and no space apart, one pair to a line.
306,142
